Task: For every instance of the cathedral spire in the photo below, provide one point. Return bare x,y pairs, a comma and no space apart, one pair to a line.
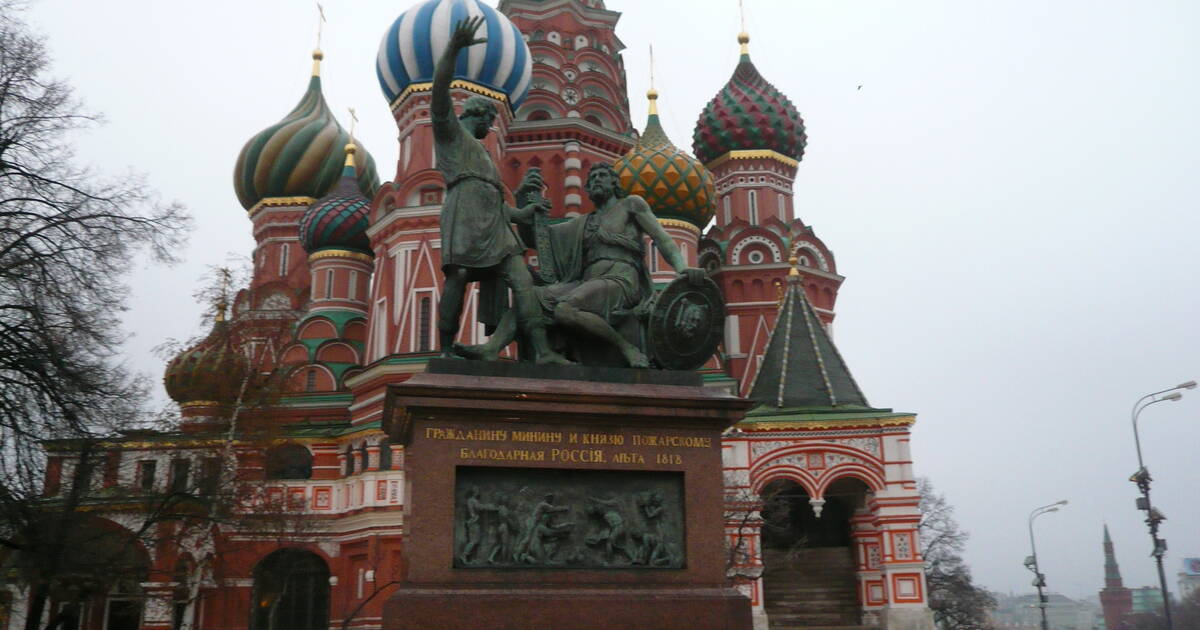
801,367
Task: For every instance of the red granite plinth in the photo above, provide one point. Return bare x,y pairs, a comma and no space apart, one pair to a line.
453,424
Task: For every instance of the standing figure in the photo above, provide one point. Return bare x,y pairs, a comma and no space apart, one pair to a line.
599,262
501,530
478,241
472,525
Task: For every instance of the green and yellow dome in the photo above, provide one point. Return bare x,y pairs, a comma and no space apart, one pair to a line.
210,372
301,155
676,185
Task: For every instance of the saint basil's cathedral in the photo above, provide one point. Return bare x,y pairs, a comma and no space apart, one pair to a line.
821,501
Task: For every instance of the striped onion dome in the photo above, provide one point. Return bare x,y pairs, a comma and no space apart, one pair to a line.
676,185
749,114
417,39
212,371
339,219
299,156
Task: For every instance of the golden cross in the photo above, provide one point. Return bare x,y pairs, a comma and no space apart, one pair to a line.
651,66
353,122
321,22
742,12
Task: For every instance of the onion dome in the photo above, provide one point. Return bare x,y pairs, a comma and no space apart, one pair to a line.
501,68
299,156
749,114
210,372
339,219
676,185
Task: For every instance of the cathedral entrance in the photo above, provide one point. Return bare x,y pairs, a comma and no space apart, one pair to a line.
291,592
809,571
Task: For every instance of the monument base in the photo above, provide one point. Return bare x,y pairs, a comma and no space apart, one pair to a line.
542,501
557,608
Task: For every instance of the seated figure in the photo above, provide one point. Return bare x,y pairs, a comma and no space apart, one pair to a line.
598,263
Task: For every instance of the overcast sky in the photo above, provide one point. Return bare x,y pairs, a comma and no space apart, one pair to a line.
1011,195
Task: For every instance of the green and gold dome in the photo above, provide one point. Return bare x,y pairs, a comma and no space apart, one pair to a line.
209,373
675,184
301,155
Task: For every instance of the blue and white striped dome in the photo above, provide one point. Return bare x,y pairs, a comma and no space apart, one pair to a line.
415,41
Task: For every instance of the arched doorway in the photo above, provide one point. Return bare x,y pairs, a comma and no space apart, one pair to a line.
809,570
291,592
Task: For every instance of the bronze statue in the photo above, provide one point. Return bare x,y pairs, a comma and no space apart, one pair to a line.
599,262
478,241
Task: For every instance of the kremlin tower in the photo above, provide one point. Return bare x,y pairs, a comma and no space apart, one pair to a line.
1115,599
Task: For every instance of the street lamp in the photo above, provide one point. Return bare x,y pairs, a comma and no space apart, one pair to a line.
1031,563
1142,478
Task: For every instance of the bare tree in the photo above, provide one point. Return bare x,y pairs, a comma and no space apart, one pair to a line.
67,235
957,603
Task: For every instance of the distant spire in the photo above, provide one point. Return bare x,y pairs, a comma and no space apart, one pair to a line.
1112,572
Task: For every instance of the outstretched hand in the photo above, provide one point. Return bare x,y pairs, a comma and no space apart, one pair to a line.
464,33
694,275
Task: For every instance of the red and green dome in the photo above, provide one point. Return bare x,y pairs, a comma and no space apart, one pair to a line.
675,184
339,220
212,371
749,114
299,156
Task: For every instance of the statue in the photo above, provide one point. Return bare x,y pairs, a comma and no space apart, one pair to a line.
598,261
478,241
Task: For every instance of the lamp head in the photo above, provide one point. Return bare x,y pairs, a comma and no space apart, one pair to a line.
1173,396
1063,502
1187,385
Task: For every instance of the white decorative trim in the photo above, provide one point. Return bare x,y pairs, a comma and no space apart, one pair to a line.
736,256
814,250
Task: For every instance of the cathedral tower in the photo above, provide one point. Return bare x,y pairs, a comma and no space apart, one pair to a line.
752,138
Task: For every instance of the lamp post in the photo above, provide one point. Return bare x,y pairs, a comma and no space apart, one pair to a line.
1031,562
1142,478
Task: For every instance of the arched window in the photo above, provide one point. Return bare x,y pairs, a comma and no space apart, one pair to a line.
289,461
540,114
753,205
424,336
291,590
349,460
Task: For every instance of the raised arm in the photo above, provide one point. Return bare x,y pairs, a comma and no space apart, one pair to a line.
650,225
442,108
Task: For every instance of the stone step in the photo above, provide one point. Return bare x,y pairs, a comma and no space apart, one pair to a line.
816,619
780,626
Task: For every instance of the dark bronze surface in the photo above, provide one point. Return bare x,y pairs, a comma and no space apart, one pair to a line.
571,519
686,324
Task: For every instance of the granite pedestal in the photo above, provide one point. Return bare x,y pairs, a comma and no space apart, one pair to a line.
562,498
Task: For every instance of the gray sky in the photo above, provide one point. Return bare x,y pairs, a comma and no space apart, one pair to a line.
1012,196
